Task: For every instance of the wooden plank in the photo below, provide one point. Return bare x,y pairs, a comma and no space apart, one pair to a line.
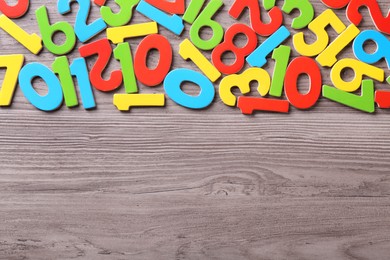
178,184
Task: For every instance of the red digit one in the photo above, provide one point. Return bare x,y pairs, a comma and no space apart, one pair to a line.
153,77
101,48
263,29
177,7
239,52
303,65
14,11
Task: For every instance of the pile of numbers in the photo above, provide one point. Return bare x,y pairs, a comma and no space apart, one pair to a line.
276,92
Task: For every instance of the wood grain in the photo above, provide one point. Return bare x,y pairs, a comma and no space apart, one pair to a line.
178,184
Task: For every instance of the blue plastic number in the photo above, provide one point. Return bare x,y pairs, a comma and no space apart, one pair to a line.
382,43
172,22
258,58
172,86
80,71
83,31
54,97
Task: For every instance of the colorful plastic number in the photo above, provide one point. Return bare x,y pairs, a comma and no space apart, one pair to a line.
123,54
14,11
126,101
119,18
354,16
304,6
80,71
382,97
228,46
48,31
261,28
248,105
147,76
83,31
103,50
317,26
189,51
243,81
13,64
365,102
205,20
360,69
281,55
193,10
258,58
173,23
172,86
31,41
176,7
297,67
99,2
382,43
336,4
328,57
61,67
119,34
54,97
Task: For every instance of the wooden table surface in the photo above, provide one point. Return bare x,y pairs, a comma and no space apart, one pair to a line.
171,183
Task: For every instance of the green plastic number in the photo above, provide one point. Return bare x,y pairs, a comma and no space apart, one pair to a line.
47,32
123,16
204,20
365,102
281,56
122,53
304,6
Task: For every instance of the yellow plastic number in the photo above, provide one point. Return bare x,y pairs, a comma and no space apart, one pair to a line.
126,101
189,51
242,81
119,34
31,41
329,56
360,69
317,26
13,64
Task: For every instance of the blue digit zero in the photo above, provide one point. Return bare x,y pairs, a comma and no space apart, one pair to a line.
258,58
172,22
382,43
80,71
172,86
54,97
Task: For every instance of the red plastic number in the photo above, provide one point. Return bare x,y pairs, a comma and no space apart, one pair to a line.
153,77
248,105
99,2
177,7
103,50
239,52
303,65
263,29
353,13
336,4
14,11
